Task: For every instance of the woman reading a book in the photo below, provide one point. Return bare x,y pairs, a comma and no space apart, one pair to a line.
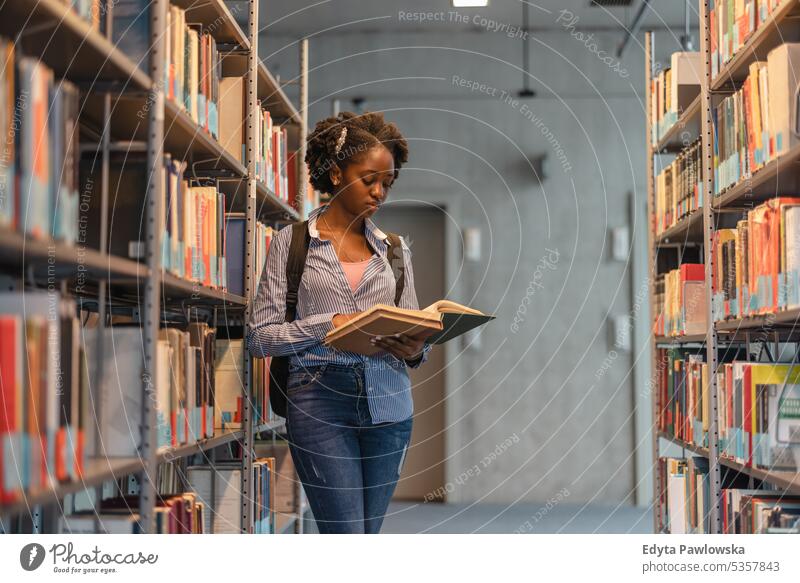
349,416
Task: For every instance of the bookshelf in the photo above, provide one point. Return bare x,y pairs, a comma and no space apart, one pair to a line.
123,110
697,231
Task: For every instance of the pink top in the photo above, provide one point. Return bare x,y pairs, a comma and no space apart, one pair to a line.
354,270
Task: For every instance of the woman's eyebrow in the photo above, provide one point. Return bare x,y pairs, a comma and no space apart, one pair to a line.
374,171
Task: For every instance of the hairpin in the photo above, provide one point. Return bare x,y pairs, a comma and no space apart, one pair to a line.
340,141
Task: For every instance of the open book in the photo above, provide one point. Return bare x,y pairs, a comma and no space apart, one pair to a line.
438,323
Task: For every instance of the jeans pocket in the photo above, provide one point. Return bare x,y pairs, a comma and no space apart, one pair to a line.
303,378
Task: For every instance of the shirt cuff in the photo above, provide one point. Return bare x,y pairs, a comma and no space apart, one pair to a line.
320,324
415,363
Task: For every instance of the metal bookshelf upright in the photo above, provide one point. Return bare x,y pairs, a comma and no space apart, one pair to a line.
698,229
113,88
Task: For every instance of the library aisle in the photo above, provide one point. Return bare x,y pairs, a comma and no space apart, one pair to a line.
453,267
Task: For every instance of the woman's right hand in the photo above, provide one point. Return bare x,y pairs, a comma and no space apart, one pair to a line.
340,319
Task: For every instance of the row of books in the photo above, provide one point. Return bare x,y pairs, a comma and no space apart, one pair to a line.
47,427
45,393
178,514
224,480
193,244
684,503
39,150
758,408
271,155
755,125
758,262
230,378
192,70
672,90
732,22
682,393
679,188
680,303
750,511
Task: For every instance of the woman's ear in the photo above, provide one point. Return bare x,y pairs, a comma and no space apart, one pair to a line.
335,175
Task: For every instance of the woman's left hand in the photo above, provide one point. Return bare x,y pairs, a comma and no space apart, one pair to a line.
401,345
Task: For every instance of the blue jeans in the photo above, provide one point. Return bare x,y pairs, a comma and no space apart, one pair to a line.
349,466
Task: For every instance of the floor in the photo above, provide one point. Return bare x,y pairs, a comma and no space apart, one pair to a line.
414,517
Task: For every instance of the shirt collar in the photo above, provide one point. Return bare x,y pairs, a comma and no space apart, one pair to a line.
373,233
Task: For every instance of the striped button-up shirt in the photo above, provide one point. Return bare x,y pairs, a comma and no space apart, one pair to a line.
324,291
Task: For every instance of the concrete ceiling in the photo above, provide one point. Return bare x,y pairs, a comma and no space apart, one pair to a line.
299,18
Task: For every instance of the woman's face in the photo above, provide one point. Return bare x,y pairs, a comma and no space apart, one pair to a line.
365,182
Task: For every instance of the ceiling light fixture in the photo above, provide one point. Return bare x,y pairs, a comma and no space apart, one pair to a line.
469,3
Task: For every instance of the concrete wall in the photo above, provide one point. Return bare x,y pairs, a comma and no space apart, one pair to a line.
551,382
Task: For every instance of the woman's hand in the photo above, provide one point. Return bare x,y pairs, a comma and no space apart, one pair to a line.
340,319
401,346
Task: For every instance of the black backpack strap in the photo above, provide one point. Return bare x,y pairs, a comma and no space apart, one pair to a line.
397,262
295,264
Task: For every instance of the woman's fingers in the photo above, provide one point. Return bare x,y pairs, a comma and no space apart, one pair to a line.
401,346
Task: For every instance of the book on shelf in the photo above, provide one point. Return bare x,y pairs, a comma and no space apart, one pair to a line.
758,262
230,375
684,503
680,301
265,171
679,188
672,90
192,224
750,511
44,420
756,124
758,407
235,242
39,164
682,395
182,513
192,63
233,107
733,23
437,323
224,515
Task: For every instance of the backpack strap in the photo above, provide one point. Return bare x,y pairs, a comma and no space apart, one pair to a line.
295,264
398,265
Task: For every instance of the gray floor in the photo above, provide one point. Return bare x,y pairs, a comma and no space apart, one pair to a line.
406,517
412,518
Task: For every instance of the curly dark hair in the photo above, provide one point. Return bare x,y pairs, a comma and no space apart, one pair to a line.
364,131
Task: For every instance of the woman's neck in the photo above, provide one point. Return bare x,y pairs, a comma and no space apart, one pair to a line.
339,220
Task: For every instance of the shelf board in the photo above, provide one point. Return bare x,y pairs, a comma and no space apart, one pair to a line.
688,229
686,338
97,471
183,138
223,438
779,28
270,426
67,261
676,138
787,481
174,287
51,30
784,319
269,204
780,176
215,16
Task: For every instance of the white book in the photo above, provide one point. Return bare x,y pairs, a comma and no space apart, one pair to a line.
676,501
